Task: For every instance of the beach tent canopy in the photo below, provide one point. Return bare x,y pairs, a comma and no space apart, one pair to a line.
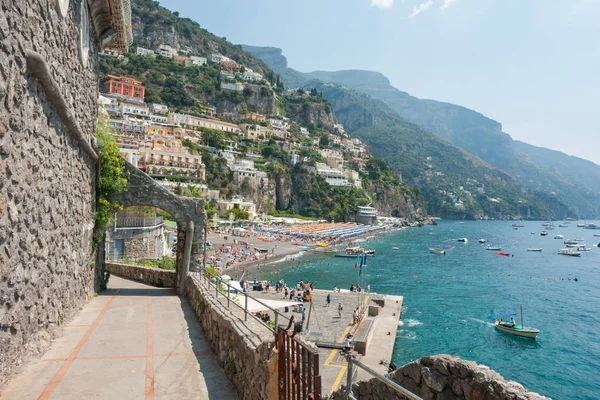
255,306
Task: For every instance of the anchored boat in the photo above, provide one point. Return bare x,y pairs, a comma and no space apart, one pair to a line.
517,330
570,252
534,249
494,248
435,250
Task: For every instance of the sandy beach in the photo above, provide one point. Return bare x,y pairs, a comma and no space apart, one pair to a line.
241,250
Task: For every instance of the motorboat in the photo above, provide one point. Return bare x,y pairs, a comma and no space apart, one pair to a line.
596,235
544,233
351,252
395,248
517,330
435,250
534,249
573,245
570,252
571,241
464,240
493,248
591,226
485,240
579,239
518,226
563,226
559,237
502,253
580,225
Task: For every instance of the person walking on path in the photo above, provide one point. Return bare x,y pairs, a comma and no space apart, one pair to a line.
340,308
355,317
328,299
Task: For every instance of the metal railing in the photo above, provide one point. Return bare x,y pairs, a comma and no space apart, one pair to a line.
348,394
219,289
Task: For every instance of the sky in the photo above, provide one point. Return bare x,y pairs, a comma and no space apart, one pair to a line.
532,65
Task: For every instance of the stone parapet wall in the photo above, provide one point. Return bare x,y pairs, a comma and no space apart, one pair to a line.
245,350
150,276
443,377
47,183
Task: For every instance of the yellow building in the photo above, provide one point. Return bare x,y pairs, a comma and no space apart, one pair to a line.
255,117
166,130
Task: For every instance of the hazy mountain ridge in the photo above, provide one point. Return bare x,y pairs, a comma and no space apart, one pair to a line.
481,136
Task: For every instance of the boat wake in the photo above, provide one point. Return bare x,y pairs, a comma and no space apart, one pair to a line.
482,321
407,334
409,323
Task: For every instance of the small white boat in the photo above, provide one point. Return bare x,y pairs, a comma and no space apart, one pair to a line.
534,249
493,248
563,226
579,239
518,225
544,233
559,237
580,225
435,250
517,330
395,248
575,246
485,240
571,241
464,240
570,252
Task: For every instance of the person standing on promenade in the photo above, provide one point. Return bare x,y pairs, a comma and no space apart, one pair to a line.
328,299
340,308
355,317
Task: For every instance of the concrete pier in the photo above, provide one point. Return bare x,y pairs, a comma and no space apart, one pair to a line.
328,330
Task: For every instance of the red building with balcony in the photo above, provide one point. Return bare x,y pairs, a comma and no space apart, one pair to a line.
124,86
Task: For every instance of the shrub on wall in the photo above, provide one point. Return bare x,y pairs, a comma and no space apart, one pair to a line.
113,179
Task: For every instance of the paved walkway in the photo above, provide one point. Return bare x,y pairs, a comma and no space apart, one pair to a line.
132,342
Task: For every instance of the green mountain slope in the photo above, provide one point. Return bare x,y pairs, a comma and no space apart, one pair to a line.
484,138
439,168
465,128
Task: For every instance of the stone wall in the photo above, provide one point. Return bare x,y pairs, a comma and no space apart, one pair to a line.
243,349
47,183
150,276
443,377
139,243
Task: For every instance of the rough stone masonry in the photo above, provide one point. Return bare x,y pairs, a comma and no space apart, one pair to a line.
47,183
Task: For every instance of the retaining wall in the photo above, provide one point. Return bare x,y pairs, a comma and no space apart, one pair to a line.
245,350
47,183
150,276
443,377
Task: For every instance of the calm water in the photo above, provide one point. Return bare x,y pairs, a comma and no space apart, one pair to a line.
451,301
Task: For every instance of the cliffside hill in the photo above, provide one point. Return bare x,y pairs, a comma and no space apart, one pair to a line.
189,88
484,138
565,192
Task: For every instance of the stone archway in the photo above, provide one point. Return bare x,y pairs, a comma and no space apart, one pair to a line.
189,213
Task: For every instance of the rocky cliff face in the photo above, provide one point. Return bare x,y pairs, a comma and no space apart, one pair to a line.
256,98
305,114
443,377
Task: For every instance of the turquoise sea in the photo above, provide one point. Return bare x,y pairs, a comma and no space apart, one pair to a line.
451,301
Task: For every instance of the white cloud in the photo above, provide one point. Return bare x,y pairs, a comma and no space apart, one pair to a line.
382,3
447,3
422,7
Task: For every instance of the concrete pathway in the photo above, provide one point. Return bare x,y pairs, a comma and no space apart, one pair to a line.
131,342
